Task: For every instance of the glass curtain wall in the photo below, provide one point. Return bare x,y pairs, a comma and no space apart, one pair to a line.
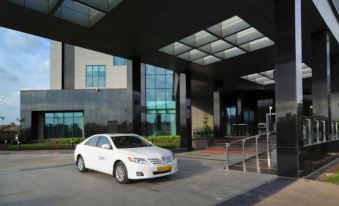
230,119
160,102
64,124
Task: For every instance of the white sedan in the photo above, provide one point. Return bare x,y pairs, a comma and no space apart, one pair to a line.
125,156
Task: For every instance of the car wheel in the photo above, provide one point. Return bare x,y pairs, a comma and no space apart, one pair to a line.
120,173
81,164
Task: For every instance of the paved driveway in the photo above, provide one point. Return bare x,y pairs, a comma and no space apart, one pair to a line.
54,180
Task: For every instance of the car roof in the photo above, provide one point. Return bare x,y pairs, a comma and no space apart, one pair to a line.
117,134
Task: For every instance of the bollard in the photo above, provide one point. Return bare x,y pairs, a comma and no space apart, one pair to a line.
18,144
5,144
72,144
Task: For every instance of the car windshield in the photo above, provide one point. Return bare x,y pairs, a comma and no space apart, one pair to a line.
129,142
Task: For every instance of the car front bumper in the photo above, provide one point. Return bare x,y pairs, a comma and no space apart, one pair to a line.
150,170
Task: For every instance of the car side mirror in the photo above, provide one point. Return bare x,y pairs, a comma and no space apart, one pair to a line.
106,146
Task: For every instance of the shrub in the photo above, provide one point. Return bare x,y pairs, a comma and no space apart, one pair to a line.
66,141
169,142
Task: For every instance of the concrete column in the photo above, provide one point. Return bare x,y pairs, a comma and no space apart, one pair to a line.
68,66
288,86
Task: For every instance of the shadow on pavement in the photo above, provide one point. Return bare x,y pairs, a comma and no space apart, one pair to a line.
259,193
187,169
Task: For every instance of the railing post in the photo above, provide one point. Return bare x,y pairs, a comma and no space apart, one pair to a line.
268,150
309,131
318,130
243,155
257,153
332,130
227,156
336,130
324,130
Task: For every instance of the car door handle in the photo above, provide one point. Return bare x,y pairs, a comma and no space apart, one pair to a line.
101,157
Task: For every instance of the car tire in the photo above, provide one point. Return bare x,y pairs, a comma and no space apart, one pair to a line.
120,173
81,164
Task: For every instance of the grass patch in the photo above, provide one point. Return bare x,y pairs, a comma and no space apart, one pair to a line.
332,178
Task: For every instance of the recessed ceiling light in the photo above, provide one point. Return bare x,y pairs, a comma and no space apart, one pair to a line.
227,39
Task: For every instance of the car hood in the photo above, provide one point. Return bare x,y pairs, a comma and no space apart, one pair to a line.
146,152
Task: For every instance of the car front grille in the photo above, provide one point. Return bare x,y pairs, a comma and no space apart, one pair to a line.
155,161
165,159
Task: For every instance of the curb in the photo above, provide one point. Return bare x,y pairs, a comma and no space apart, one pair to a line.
36,152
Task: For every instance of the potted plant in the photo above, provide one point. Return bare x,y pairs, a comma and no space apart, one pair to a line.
202,135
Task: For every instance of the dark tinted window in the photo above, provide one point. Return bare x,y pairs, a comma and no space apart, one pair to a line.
103,140
93,141
129,142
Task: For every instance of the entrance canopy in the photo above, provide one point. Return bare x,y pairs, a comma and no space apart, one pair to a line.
216,40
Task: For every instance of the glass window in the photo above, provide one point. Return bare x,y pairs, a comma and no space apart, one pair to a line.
129,142
103,140
63,124
160,81
160,94
150,95
118,61
150,69
95,75
169,81
93,141
150,81
160,107
160,70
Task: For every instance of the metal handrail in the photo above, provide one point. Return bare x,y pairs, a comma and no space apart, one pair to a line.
243,141
328,132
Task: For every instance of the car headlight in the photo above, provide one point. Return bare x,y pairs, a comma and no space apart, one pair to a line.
137,160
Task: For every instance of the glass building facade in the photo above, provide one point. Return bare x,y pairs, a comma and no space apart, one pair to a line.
160,102
64,124
95,75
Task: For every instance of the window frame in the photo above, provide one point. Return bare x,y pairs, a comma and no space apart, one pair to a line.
98,75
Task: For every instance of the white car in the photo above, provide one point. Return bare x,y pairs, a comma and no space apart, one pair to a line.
125,156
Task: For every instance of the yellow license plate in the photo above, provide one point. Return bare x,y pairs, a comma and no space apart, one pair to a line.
164,168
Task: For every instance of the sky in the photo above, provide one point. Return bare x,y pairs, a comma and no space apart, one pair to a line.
24,65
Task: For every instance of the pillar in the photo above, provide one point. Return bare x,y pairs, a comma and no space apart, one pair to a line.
288,86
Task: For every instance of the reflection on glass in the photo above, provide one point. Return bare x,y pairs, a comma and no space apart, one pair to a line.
160,103
95,75
64,124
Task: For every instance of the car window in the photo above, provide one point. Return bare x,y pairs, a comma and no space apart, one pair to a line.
92,141
104,140
129,141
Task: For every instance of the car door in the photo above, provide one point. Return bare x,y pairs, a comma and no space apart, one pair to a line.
105,156
89,152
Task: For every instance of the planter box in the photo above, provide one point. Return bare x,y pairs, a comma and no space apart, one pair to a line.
200,143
